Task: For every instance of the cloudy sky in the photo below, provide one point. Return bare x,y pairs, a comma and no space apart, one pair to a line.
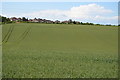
95,12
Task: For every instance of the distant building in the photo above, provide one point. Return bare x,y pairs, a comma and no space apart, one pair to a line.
48,21
65,22
30,20
40,20
57,21
13,19
19,19
35,20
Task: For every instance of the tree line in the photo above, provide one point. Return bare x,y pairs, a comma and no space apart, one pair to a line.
5,20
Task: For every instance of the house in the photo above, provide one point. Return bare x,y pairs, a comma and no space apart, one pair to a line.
19,19
40,20
57,21
65,22
35,20
48,21
13,19
30,20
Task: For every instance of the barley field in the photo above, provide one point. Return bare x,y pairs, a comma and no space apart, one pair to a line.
32,50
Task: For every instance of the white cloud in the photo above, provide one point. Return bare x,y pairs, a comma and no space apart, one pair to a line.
48,14
106,20
4,15
88,10
86,13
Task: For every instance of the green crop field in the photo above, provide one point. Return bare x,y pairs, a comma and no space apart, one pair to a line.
32,50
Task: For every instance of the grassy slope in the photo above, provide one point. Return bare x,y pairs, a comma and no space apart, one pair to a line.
58,50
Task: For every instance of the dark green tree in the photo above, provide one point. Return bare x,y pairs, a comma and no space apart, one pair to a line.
24,19
69,21
4,19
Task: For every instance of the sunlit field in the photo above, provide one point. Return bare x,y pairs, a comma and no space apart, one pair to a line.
32,50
